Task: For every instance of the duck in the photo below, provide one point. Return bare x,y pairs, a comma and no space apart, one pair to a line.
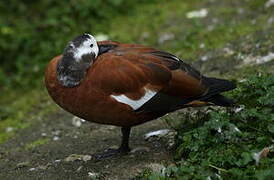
126,85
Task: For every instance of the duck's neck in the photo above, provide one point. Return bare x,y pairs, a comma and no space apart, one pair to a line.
70,72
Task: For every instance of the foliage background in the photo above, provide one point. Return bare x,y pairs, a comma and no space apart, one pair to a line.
32,32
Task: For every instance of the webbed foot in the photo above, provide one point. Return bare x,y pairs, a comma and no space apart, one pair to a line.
111,153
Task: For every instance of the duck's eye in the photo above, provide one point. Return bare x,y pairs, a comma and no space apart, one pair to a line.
91,45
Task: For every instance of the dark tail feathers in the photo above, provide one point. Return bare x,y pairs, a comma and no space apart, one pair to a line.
217,86
220,100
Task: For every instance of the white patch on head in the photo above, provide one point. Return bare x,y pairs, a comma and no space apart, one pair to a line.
135,104
85,48
71,45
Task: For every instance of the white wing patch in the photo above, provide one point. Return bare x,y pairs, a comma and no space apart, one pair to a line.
135,104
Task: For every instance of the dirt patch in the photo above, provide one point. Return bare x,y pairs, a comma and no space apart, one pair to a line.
20,160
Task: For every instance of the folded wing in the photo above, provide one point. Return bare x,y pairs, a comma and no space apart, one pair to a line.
149,80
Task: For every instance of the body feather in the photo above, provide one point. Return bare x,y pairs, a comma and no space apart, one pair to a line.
130,84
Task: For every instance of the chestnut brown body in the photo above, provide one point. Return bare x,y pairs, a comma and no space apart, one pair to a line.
128,70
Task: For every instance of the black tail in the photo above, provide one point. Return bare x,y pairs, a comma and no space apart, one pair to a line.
217,86
220,100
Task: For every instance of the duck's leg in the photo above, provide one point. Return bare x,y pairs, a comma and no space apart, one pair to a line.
123,149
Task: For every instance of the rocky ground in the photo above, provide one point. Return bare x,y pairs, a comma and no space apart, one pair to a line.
58,147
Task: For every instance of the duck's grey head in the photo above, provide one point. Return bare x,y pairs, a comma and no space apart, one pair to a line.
81,46
78,56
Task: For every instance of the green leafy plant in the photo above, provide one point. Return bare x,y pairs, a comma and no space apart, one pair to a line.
224,146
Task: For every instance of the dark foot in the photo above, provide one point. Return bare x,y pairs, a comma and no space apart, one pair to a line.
110,153
123,149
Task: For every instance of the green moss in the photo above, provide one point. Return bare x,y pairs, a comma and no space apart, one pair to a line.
36,143
216,38
21,110
255,5
146,25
